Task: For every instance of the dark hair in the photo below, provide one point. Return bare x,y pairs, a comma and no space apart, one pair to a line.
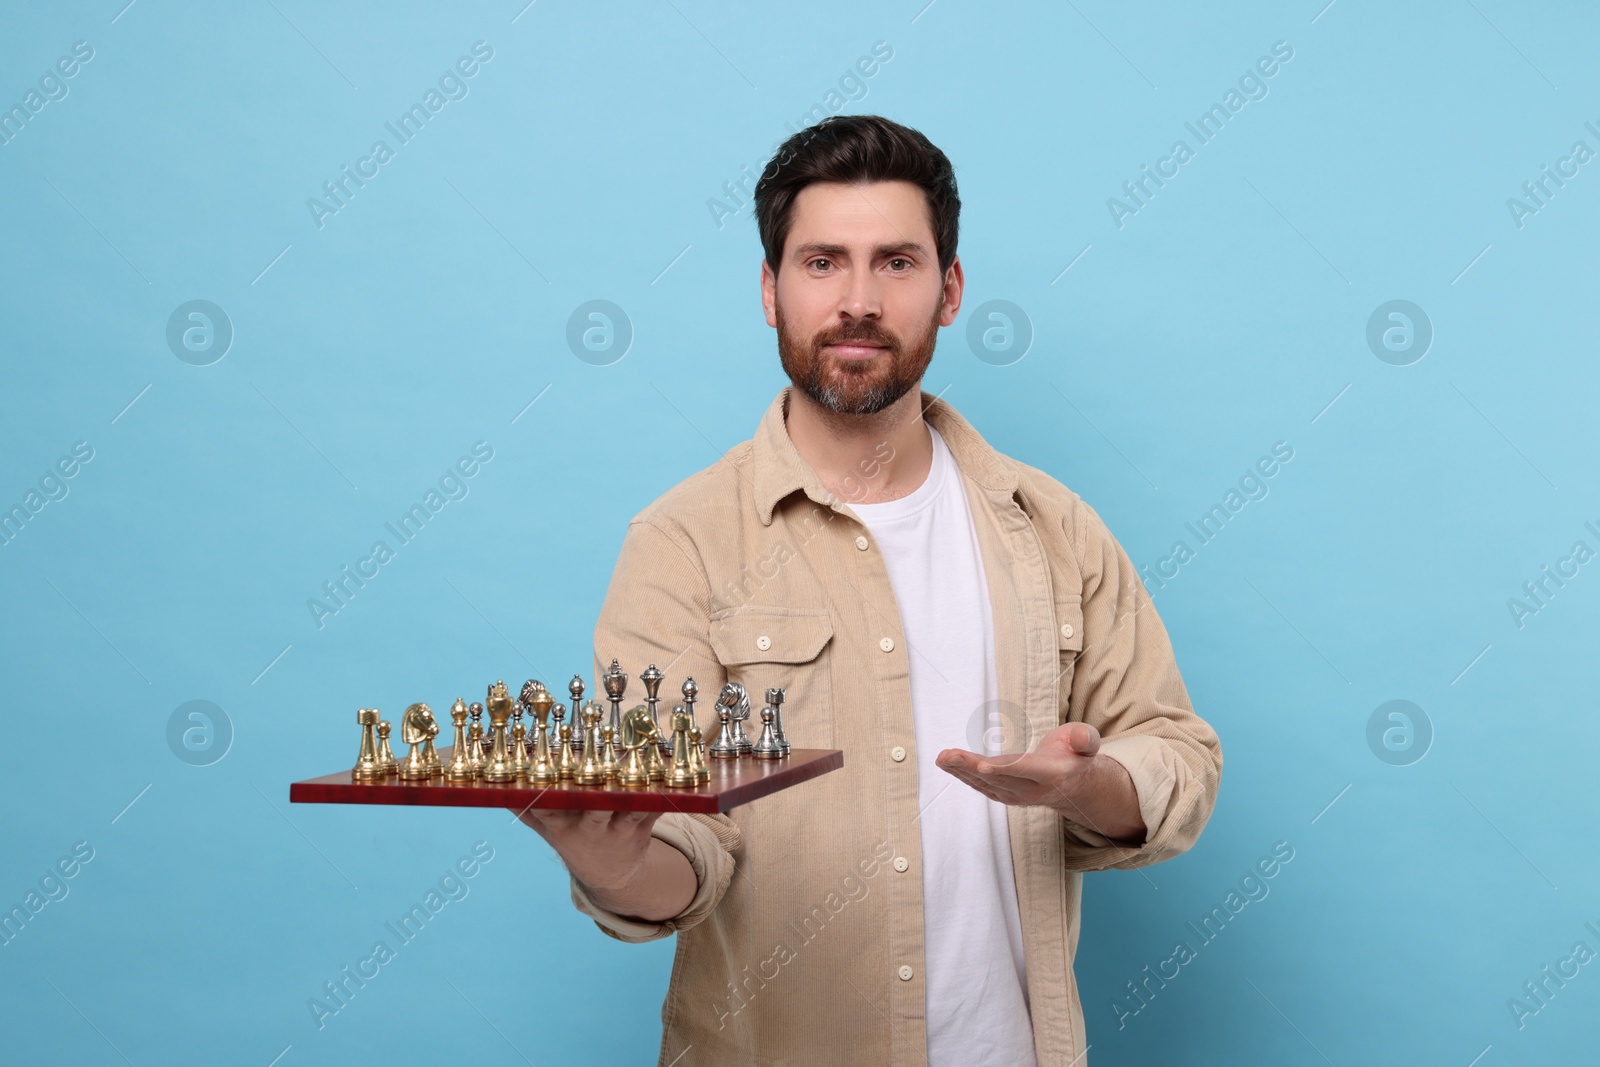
856,148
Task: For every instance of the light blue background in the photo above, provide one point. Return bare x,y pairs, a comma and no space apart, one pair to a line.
369,354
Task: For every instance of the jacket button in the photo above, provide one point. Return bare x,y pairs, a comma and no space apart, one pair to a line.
1066,629
887,644
905,973
763,642
861,542
902,864
897,754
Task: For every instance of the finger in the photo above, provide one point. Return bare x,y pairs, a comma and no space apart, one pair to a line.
1084,738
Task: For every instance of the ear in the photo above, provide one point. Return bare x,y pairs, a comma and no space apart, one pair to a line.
954,283
769,293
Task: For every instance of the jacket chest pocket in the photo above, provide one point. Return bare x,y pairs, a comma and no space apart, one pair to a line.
787,648
1069,643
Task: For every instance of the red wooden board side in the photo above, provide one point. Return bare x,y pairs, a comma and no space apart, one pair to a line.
733,783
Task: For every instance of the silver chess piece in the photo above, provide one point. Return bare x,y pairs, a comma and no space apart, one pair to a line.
576,687
723,747
651,677
616,683
736,699
767,746
775,701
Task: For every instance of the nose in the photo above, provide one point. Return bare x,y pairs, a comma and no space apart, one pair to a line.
863,297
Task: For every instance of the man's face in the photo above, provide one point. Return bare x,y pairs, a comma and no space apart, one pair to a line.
858,297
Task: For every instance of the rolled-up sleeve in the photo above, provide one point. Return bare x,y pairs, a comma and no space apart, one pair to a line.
1126,684
657,611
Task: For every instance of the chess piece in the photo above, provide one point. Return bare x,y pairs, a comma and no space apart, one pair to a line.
542,769
634,774
723,747
366,768
616,683
690,691
697,755
499,706
386,761
566,763
609,768
681,774
575,687
736,699
589,772
651,678
767,746
518,746
418,729
460,767
477,732
654,762
775,698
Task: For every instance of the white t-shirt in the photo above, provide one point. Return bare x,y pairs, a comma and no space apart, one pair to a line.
976,982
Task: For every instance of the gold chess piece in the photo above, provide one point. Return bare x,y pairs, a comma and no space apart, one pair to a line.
609,767
681,774
634,774
519,750
418,729
589,772
386,761
566,763
542,771
367,768
498,704
697,755
460,768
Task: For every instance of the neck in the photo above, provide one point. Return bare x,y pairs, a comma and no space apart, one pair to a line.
863,459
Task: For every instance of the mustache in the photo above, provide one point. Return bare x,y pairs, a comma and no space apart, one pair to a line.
865,330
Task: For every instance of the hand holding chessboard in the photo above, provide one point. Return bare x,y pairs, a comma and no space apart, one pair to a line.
627,764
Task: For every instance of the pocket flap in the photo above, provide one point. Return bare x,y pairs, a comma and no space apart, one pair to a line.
770,636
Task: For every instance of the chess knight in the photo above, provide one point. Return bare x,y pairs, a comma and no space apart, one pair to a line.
960,623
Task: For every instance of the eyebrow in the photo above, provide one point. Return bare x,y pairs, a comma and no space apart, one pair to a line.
817,248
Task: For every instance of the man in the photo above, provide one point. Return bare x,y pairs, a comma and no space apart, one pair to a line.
963,626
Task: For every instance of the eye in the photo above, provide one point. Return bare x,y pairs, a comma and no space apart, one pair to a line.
819,263
905,264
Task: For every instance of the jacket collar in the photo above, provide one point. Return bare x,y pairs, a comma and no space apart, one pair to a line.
779,470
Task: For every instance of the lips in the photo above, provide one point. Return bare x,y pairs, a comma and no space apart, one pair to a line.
855,350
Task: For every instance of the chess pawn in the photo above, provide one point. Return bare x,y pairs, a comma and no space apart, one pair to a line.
634,774
690,691
589,772
499,767
767,746
724,747
460,768
520,764
418,729
681,774
566,762
697,755
366,768
575,687
610,769
478,733
616,683
386,761
655,764
775,698
542,771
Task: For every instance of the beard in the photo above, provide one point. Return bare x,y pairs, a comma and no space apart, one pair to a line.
855,387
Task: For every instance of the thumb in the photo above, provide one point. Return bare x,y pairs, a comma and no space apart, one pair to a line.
1083,738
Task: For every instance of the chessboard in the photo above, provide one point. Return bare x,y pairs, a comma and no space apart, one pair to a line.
733,783
629,764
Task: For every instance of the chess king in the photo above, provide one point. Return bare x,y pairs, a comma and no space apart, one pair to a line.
960,623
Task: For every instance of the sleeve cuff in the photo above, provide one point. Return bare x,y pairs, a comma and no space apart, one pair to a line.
708,853
1153,781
